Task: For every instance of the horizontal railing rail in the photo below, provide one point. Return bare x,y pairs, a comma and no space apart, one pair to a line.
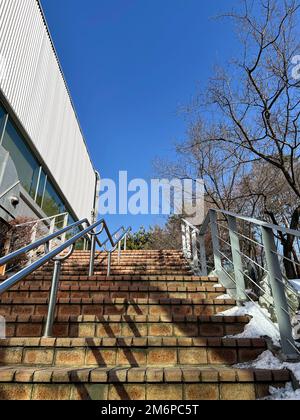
234,251
58,257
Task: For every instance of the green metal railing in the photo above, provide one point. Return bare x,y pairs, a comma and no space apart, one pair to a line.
231,244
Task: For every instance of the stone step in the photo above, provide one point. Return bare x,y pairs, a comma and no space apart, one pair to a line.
134,352
122,326
124,272
125,278
76,307
70,292
175,384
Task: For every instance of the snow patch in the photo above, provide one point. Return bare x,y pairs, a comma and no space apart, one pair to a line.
224,297
260,324
265,361
284,394
218,286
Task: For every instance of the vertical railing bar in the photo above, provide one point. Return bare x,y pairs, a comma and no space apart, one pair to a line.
184,243
92,256
52,301
195,250
278,291
215,242
203,261
237,260
108,264
188,241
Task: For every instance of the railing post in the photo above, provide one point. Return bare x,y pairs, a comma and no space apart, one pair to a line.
195,249
125,243
119,251
203,261
65,224
215,243
188,242
108,264
279,296
92,256
52,301
237,260
184,245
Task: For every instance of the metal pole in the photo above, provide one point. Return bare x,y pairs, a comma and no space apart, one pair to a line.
119,251
278,291
52,301
125,243
188,242
66,219
108,264
216,243
237,260
195,250
184,246
92,256
203,262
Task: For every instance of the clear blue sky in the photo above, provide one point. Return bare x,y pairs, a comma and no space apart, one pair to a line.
130,65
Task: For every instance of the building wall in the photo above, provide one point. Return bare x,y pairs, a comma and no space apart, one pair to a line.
33,84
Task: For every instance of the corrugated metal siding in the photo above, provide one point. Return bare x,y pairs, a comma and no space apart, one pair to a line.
37,92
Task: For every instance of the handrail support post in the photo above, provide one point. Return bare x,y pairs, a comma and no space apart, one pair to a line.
237,260
52,301
92,256
195,250
278,291
108,264
203,262
215,243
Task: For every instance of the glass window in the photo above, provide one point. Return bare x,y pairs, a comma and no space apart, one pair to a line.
52,203
26,165
2,120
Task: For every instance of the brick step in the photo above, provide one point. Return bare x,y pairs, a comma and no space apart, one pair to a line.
126,263
122,326
76,307
134,352
125,278
34,286
119,286
66,292
120,273
177,384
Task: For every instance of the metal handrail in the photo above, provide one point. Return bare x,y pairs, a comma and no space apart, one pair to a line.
103,244
194,247
54,255
7,258
33,222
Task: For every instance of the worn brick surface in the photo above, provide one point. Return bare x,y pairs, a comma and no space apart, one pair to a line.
149,331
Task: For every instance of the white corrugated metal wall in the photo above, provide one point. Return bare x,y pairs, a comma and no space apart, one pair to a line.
34,85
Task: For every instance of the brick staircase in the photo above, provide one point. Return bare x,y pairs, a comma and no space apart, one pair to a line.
149,331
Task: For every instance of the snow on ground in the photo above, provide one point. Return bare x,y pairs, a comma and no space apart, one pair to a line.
284,394
218,286
224,297
268,361
260,324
